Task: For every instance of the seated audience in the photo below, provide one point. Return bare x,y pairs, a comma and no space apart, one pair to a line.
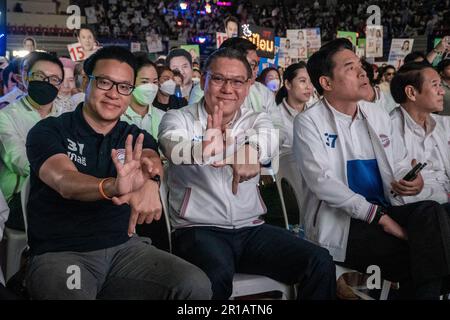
426,136
350,161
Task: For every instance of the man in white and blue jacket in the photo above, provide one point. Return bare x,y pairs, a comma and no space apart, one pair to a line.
349,162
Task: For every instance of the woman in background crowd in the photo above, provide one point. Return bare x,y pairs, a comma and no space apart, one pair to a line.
165,98
293,96
270,77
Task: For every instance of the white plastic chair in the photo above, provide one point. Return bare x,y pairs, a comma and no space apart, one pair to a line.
288,172
243,284
386,286
16,239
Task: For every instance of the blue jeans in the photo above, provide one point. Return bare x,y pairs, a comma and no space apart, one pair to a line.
265,250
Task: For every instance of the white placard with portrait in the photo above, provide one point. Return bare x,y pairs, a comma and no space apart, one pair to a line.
374,41
399,49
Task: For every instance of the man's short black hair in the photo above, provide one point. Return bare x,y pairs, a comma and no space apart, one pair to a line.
229,53
118,53
33,57
410,57
321,62
86,27
408,74
178,52
442,65
231,19
240,44
368,68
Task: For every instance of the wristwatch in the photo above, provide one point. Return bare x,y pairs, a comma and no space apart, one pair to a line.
378,214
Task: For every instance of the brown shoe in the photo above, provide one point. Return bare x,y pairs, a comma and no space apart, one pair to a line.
343,290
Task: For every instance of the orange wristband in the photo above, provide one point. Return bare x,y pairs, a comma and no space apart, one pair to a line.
100,189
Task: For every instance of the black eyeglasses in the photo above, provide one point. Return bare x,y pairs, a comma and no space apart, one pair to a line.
106,84
219,81
40,76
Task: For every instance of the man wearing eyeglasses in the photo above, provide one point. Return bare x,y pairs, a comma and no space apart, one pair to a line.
259,98
93,178
42,80
216,149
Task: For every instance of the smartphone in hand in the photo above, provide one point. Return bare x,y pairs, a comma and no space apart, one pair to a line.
412,174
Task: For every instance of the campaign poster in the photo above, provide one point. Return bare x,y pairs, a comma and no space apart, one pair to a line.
313,40
262,37
154,43
399,49
352,36
296,43
220,38
374,41
194,51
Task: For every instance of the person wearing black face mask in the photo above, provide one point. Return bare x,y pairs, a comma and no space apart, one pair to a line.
43,78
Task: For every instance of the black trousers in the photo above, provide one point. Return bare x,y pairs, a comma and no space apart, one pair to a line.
420,264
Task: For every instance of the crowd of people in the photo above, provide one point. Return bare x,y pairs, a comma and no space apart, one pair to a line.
407,18
95,140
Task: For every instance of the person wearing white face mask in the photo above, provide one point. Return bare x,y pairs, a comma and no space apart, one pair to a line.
165,98
141,111
270,77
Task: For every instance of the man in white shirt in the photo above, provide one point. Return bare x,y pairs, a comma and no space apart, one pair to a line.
260,98
417,88
215,205
349,162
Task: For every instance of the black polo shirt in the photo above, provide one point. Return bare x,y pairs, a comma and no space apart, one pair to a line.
58,224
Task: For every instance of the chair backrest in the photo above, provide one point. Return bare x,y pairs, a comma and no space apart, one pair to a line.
289,173
24,195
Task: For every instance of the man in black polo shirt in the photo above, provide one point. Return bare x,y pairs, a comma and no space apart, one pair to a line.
89,187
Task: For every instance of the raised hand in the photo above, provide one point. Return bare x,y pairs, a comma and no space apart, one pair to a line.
245,166
213,143
134,172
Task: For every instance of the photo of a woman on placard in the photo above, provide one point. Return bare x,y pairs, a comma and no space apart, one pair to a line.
405,46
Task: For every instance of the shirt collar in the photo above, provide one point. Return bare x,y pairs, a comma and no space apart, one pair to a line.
130,113
293,112
342,116
24,101
414,126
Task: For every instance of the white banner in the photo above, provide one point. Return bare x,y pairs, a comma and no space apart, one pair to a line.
399,49
374,41
154,43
